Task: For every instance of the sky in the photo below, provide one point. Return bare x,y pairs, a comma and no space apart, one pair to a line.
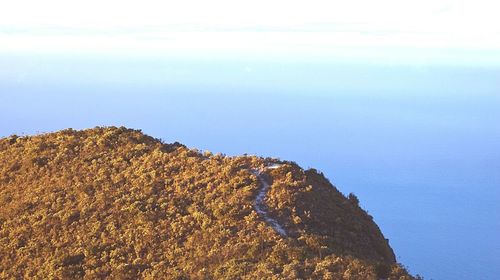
440,31
170,67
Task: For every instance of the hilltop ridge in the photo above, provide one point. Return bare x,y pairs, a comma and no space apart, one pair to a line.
114,203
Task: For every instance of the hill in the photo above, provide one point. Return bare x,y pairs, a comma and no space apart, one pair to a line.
115,203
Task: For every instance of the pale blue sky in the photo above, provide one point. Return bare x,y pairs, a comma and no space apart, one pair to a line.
396,101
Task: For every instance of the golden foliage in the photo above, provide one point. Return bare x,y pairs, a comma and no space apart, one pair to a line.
115,203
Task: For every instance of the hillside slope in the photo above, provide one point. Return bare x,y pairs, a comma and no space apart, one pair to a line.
113,202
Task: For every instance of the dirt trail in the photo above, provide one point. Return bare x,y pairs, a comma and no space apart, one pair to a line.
260,205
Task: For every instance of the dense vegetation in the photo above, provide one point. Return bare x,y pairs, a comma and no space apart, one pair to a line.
113,202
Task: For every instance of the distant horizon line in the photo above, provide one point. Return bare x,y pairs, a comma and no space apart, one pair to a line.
372,47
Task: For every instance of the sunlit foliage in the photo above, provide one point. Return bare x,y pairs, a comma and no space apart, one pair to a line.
115,203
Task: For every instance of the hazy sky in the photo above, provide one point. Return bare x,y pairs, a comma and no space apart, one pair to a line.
427,30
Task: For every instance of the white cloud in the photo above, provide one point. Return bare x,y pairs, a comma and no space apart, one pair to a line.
256,26
424,15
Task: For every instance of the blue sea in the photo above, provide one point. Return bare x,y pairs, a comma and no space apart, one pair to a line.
419,144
